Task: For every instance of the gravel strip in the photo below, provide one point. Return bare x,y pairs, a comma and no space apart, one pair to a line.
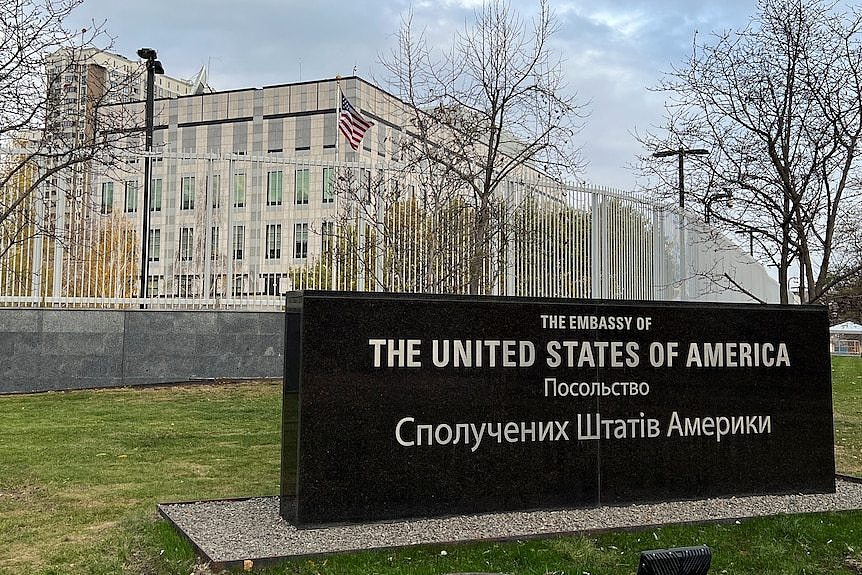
233,531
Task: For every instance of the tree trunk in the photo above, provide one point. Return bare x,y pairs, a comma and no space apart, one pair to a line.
479,249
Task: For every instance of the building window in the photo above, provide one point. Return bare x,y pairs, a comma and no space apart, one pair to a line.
107,205
302,186
273,241
186,244
239,283
131,196
217,285
215,191
214,243
155,245
274,182
396,145
300,241
327,236
238,242
153,286
156,195
187,199
302,133
239,190
365,182
271,284
328,185
184,285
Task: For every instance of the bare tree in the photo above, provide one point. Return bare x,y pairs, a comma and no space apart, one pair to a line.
37,147
779,106
483,111
398,231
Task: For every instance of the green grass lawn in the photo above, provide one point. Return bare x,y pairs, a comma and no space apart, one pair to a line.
81,473
847,407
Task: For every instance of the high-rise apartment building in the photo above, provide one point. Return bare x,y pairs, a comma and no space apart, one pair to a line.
80,79
80,84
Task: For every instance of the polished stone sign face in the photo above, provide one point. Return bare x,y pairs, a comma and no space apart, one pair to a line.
416,406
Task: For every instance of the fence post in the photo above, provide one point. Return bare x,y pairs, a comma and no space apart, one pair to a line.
658,275
595,246
229,234
208,231
36,275
683,273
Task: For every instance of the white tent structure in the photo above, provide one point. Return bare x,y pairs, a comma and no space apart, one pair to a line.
846,339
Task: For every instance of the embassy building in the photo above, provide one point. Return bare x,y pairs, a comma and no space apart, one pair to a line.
248,193
238,180
256,192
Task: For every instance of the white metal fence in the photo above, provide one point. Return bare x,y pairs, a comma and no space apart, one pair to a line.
238,231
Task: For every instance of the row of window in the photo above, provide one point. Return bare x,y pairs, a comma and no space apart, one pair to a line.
188,191
187,285
272,246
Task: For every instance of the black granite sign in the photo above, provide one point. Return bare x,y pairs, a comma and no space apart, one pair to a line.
415,406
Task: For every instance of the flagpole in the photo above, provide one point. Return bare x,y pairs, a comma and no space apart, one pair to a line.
337,113
336,267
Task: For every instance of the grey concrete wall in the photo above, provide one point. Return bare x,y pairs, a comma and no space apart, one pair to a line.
55,349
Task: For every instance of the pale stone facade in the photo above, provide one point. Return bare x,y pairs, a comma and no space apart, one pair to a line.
248,170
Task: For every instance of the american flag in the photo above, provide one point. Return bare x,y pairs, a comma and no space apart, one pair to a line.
351,123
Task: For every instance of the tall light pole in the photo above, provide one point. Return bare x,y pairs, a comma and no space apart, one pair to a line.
708,201
153,67
681,153
750,232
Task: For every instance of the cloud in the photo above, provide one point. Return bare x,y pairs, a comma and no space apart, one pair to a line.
625,24
612,49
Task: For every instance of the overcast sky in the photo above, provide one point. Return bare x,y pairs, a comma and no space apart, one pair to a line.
613,50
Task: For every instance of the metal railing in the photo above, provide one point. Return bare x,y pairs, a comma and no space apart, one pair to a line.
237,231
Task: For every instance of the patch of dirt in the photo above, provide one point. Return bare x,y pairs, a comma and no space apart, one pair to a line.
20,557
854,564
20,493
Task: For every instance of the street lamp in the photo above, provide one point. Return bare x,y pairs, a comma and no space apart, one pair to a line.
153,67
681,153
750,233
714,198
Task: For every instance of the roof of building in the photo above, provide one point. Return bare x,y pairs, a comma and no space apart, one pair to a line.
846,327
199,82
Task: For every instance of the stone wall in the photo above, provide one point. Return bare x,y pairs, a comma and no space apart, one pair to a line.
57,349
